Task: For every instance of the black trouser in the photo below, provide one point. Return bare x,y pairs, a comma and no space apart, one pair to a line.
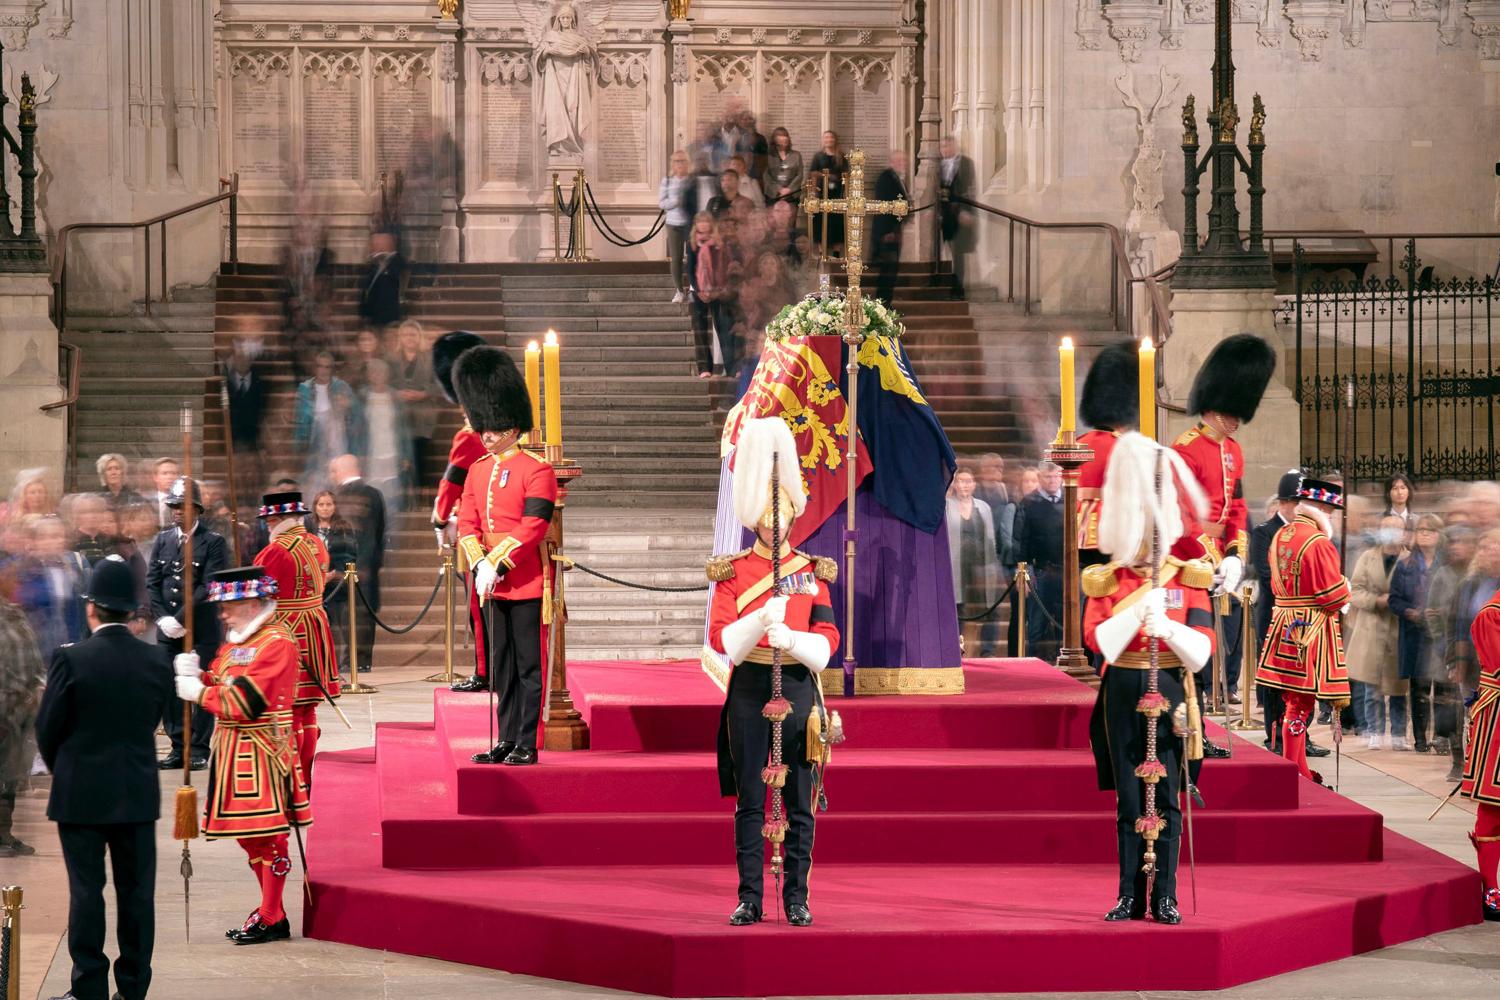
515,633
1126,729
364,625
750,748
203,722
8,791
888,258
132,861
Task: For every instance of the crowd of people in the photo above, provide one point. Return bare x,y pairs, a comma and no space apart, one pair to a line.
737,241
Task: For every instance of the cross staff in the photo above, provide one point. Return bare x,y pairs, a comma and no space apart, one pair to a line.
853,207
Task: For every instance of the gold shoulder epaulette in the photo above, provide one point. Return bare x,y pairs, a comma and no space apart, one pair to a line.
1100,580
1195,573
825,569
1186,437
721,567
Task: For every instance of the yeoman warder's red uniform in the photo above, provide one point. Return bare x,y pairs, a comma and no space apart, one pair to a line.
1481,781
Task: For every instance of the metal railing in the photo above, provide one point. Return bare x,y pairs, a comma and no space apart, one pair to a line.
229,191
74,362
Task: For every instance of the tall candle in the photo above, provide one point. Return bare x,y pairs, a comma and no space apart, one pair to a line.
1065,364
534,384
552,372
1148,388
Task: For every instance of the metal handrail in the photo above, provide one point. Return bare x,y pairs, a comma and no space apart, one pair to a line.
1297,235
230,190
75,362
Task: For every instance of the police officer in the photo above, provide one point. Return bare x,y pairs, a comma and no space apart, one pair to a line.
164,591
96,730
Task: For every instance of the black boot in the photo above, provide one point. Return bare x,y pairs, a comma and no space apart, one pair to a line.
494,755
170,762
798,915
1165,911
261,933
1127,908
474,683
744,915
1213,750
520,756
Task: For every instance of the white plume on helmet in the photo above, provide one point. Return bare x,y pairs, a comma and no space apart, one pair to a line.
1130,502
764,444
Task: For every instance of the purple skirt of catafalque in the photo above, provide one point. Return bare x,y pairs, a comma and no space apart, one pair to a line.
905,616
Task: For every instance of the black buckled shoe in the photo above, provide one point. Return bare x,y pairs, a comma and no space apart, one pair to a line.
1126,908
520,757
472,684
200,764
1165,911
1211,749
1313,750
744,915
1317,778
798,915
494,755
250,921
261,933
170,762
1492,904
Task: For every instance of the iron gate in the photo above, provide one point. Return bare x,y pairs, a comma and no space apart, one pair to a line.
1396,373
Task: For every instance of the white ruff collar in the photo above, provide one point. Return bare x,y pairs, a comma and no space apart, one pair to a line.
237,637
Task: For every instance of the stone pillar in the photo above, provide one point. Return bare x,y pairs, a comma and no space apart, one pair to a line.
451,121
1200,321
929,123
678,34
30,437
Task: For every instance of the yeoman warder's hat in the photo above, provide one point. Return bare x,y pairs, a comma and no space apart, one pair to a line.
1321,491
286,502
243,583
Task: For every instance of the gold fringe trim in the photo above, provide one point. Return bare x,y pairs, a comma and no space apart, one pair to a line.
908,680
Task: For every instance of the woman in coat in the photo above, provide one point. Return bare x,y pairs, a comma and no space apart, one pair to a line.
1372,644
1408,602
971,549
337,536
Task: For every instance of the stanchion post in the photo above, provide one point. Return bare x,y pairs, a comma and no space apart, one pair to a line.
351,580
1248,659
556,218
1023,590
10,924
450,573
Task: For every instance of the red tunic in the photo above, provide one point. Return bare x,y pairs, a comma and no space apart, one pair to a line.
1091,485
1186,603
1219,466
1481,780
462,454
1304,648
296,560
809,608
250,687
503,516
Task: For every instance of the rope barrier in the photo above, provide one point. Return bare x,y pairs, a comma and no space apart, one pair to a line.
571,564
329,595
420,614
607,231
991,609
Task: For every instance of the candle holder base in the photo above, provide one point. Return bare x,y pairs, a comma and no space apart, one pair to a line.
1075,663
1072,456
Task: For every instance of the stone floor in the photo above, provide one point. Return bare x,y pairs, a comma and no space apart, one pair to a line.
1458,965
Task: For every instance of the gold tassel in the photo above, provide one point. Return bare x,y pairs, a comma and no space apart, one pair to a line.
185,821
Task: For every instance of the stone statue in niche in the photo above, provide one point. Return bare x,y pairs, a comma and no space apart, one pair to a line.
564,65
1156,243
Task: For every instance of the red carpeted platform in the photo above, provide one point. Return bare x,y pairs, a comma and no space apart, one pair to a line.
967,850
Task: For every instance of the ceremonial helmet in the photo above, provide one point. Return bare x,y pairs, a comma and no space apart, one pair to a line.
243,583
1132,503
185,490
1234,378
491,391
765,445
112,585
1111,398
445,353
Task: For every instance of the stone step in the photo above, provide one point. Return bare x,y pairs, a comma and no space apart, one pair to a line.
193,323
519,312
585,280
606,327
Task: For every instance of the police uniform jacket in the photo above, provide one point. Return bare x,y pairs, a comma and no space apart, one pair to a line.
164,579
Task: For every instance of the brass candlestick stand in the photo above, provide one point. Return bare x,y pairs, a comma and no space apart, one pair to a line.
565,728
1071,456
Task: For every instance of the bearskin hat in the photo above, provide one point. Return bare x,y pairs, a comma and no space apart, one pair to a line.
445,352
1111,390
491,391
1234,378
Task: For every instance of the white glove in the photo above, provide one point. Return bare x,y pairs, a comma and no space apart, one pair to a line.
1231,572
773,612
186,665
1155,602
189,689
441,534
810,649
741,636
779,636
1344,610
170,627
1157,625
484,578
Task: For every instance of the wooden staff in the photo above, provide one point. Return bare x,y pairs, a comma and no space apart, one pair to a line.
185,825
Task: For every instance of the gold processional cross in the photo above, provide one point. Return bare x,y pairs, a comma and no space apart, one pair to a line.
853,207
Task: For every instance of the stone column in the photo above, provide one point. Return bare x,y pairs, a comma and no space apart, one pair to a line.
929,121
1200,320
680,54
451,121
29,436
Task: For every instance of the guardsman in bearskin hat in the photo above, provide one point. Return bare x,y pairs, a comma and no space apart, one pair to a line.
295,560
1110,405
503,517
169,606
462,454
1124,613
1303,655
1481,781
255,789
1226,393
747,620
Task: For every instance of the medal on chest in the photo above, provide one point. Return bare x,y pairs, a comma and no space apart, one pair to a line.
1174,598
804,584
504,477
241,656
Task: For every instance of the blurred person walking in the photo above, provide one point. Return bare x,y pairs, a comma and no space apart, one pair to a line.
885,231
113,488
412,378
363,506
245,380
677,197
1039,542
163,475
1443,664
327,420
1408,602
21,676
50,585
337,536
784,171
829,164
1373,639
382,289
385,444
971,552
955,181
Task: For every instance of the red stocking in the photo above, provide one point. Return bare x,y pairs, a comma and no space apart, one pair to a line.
305,728
1486,837
1294,722
476,621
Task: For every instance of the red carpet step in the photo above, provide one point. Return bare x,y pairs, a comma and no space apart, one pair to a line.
967,850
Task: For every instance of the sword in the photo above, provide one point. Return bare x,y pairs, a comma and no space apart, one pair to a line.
331,703
1446,798
1338,744
1191,793
1216,603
